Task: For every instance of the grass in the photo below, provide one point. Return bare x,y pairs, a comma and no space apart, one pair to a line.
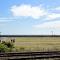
38,43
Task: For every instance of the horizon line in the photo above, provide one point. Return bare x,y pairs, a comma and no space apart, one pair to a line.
29,35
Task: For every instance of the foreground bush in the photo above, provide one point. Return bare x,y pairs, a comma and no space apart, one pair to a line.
8,44
3,48
6,47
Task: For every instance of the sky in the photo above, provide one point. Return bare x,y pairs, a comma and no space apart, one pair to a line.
30,17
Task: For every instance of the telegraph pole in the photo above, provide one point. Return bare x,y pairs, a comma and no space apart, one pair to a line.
52,32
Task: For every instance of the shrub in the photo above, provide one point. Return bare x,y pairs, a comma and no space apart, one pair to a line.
3,48
8,44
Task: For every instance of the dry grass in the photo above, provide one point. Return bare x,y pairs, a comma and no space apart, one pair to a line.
38,43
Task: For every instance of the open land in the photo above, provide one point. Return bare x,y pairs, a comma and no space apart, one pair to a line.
38,43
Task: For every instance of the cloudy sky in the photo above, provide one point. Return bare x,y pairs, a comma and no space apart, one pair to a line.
30,17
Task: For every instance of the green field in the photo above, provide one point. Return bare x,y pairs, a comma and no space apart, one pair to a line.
38,43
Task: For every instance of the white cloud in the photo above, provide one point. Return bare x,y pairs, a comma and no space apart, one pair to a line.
6,19
28,10
35,12
48,25
53,16
57,8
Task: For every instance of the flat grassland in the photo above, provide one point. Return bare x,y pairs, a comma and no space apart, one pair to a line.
38,43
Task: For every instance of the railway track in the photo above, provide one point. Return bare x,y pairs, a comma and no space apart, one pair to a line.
30,55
